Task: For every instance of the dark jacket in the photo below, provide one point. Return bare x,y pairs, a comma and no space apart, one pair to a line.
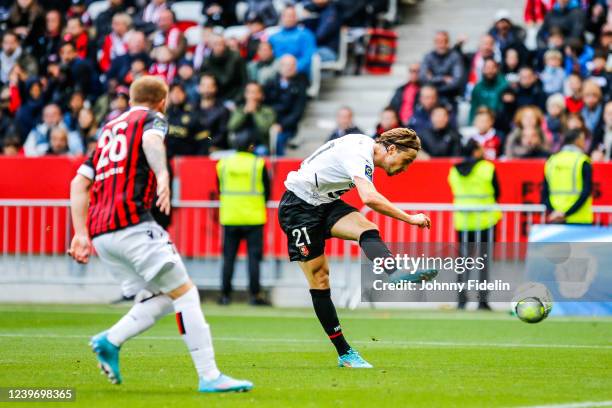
533,95
288,100
211,127
326,25
229,71
339,133
436,66
180,140
571,20
441,142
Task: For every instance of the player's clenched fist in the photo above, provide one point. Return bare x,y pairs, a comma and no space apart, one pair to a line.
80,248
420,220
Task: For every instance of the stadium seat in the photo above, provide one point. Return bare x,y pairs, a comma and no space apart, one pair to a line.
97,7
315,76
239,31
193,35
339,64
189,11
242,8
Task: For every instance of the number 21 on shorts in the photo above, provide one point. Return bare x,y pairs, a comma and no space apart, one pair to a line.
297,234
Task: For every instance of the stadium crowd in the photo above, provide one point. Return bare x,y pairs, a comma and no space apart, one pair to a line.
64,71
525,87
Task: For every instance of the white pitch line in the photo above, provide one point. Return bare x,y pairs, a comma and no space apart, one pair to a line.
314,341
586,404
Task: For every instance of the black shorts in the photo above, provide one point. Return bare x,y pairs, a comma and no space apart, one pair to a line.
308,226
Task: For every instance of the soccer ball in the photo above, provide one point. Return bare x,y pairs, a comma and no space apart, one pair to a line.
532,302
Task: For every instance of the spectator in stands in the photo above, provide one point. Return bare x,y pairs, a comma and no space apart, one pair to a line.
577,56
254,117
361,13
530,90
12,55
168,35
421,118
188,80
104,20
26,18
11,146
75,104
599,74
556,41
388,120
115,43
228,69
119,103
442,140
180,140
568,16
204,48
152,11
593,105
507,110
265,10
221,13
344,123
575,121
555,119
257,33
77,33
325,24
527,140
37,143
294,40
602,140
122,64
443,68
58,141
73,74
211,118
87,127
573,93
553,75
78,9
286,94
163,66
405,97
46,46
508,35
30,110
264,67
485,133
488,91
511,66
486,50
7,127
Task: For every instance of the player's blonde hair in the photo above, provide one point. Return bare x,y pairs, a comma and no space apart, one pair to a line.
148,90
402,138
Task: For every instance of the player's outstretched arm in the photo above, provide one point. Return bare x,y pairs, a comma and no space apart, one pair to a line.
80,247
380,204
155,152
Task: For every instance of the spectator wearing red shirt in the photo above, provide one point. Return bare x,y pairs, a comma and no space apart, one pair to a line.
485,134
168,35
573,94
115,44
77,34
405,97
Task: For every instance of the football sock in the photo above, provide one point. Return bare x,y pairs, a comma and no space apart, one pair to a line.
196,334
140,317
326,312
373,247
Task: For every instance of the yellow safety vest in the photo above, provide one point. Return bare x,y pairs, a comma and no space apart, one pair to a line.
473,190
242,200
563,172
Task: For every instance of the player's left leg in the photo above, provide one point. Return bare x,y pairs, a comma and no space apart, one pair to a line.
316,271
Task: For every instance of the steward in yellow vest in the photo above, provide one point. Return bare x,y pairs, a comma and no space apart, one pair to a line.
568,183
243,191
474,183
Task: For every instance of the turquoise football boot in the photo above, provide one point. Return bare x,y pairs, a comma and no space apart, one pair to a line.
352,359
224,383
421,275
108,357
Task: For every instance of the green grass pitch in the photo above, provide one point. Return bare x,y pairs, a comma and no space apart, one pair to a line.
421,359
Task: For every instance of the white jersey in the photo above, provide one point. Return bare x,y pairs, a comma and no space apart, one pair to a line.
330,171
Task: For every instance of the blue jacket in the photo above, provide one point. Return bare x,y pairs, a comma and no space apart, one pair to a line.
299,42
326,25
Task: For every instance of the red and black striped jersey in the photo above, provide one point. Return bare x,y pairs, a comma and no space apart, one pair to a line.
123,183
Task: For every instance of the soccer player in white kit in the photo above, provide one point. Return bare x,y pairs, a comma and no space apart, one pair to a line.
311,211
111,198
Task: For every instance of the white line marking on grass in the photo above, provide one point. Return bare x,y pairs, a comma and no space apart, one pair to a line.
407,343
586,404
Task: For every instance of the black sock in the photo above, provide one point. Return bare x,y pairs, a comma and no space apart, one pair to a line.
373,247
326,312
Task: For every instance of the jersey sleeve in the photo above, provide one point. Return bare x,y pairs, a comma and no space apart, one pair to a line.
360,163
88,169
155,123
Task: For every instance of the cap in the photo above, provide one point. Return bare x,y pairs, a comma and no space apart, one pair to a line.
502,14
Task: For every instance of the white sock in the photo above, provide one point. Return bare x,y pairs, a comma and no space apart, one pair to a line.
196,334
140,317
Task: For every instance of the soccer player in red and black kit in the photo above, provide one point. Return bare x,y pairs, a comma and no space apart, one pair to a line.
111,198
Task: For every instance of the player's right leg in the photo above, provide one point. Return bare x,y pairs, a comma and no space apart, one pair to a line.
316,272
